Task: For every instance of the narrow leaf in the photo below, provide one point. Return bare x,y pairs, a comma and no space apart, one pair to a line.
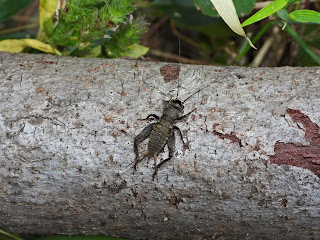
17,45
136,50
302,44
41,46
12,45
265,12
228,13
305,16
5,235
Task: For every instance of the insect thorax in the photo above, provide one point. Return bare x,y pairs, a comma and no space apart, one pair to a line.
173,109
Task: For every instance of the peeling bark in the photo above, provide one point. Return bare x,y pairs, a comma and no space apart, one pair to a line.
297,154
170,72
232,137
67,124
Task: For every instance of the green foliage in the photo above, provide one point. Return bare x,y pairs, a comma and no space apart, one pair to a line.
106,28
246,6
304,16
86,24
283,12
266,11
300,16
126,35
92,28
303,45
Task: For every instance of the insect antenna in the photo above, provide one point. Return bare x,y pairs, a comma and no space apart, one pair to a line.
179,67
196,92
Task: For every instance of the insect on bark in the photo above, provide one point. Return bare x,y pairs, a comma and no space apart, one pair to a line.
162,132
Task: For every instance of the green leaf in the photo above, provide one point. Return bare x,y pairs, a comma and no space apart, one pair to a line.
283,14
243,7
265,12
305,16
136,50
7,236
302,44
10,7
17,45
46,10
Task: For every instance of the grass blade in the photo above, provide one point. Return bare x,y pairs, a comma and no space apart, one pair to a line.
265,12
302,44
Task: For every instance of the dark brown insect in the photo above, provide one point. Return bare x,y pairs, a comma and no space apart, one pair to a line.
162,132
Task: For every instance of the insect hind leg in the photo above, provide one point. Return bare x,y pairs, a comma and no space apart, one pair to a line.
143,135
181,137
139,159
171,147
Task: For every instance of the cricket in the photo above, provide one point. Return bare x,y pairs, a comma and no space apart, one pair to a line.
162,132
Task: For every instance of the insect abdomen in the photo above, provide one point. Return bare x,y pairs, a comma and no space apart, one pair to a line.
159,136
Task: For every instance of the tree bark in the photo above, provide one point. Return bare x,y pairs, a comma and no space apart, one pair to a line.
67,127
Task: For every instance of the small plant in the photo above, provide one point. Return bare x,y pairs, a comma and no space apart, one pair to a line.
286,32
101,28
93,28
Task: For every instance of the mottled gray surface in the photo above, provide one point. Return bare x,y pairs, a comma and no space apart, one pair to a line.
67,127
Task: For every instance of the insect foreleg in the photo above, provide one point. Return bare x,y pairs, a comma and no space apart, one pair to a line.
171,147
151,115
186,115
145,133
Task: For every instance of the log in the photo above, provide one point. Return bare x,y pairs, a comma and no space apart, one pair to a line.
251,170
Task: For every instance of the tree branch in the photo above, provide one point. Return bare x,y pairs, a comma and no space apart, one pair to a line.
66,147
